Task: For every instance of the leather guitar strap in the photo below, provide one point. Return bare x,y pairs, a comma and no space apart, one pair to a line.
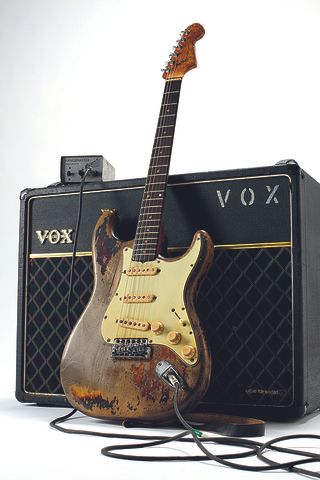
229,425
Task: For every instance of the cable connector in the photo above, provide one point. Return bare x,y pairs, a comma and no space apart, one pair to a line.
170,375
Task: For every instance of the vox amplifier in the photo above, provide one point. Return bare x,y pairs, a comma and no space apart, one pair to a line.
259,303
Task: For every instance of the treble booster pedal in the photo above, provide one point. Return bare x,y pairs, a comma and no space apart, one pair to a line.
73,169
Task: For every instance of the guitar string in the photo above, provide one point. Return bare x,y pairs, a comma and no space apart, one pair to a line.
171,86
134,282
156,170
139,282
153,186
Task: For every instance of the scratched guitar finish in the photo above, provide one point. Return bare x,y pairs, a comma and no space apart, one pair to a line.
142,310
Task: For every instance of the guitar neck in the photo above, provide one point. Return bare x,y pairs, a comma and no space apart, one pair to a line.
147,237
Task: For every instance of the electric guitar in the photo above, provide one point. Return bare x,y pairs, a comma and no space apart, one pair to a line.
140,323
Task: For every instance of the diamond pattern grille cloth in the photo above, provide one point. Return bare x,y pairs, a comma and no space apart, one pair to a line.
245,305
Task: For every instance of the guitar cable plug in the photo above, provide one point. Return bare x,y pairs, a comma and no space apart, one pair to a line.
168,373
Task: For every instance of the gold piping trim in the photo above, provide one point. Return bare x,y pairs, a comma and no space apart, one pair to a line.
234,246
58,255
239,246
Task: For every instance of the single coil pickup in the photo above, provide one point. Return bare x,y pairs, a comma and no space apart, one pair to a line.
133,324
138,298
127,348
141,271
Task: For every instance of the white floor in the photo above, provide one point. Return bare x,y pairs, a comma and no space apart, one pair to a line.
32,450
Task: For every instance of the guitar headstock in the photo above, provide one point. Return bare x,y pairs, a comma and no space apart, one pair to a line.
183,57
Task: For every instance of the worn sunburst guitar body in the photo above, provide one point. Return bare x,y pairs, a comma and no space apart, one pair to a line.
141,321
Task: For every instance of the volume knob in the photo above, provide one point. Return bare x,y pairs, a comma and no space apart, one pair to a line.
174,337
188,351
157,327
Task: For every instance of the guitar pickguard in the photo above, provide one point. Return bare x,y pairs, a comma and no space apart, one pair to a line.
152,306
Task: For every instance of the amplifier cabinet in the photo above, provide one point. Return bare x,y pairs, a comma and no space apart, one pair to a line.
259,303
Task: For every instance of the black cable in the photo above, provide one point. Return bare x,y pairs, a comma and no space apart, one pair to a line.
74,250
153,440
271,443
272,465
254,448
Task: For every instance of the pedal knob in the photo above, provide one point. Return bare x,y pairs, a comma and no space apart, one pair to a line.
157,328
188,351
174,337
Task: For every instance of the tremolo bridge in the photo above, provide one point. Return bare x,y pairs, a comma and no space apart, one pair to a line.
137,348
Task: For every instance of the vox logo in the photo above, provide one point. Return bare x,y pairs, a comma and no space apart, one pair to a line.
248,196
55,236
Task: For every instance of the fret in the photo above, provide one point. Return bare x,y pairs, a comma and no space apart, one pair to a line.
144,248
154,183
147,229
153,199
157,174
147,235
148,221
151,184
153,191
150,206
143,236
174,103
162,146
146,207
160,156
168,115
158,166
174,91
165,136
147,244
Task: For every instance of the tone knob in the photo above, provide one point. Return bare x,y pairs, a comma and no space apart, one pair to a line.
188,351
174,337
157,327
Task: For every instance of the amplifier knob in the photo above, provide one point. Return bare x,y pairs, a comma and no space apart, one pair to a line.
174,337
188,351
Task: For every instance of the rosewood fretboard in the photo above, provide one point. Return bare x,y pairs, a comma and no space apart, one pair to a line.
148,230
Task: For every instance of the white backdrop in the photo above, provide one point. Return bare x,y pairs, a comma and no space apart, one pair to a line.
83,77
